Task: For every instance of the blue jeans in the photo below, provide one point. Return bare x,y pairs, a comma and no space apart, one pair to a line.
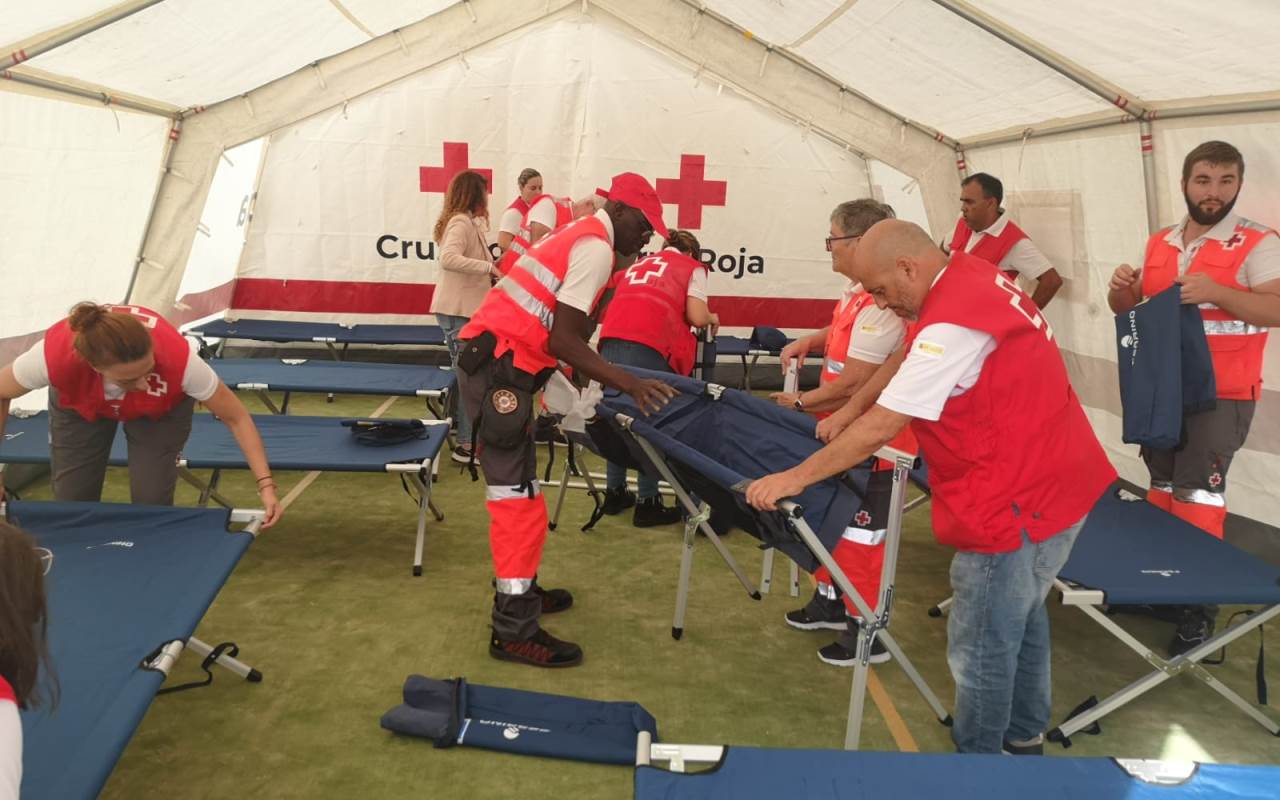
998,641
631,354
451,325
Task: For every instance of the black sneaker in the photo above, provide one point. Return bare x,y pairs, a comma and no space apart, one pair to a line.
1194,629
650,513
617,500
540,650
1031,747
838,655
553,600
461,454
818,614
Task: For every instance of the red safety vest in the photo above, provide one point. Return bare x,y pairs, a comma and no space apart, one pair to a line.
648,307
6,691
80,387
520,308
520,206
1235,346
520,240
989,248
1015,453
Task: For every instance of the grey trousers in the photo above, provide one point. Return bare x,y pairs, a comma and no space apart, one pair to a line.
79,450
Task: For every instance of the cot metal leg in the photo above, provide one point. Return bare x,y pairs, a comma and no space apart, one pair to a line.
1165,670
941,608
269,403
766,571
795,580
208,491
235,665
686,569
563,487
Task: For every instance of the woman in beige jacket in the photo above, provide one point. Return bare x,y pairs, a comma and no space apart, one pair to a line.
466,272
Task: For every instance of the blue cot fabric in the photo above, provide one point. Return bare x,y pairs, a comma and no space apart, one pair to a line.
727,345
746,773
1165,369
515,721
302,443
1135,553
281,331
717,446
341,377
125,580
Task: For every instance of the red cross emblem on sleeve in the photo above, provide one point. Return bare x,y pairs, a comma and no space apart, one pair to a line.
691,191
862,519
639,274
456,159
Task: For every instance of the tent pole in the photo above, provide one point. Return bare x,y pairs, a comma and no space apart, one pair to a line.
104,97
962,163
1149,176
1055,61
169,144
69,33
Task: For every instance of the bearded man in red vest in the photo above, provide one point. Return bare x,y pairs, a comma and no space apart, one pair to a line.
1013,464
1230,267
985,230
539,314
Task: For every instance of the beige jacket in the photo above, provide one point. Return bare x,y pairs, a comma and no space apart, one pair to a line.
465,265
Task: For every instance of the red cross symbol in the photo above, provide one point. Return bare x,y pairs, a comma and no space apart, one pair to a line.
862,519
157,386
1235,241
436,179
146,319
640,272
690,192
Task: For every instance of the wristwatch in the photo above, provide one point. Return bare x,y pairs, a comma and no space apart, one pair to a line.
798,405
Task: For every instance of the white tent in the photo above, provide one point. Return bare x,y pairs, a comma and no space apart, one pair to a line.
135,137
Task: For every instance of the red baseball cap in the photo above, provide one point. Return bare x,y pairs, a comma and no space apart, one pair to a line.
633,190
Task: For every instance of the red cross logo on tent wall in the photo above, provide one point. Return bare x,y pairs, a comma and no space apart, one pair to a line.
691,191
436,179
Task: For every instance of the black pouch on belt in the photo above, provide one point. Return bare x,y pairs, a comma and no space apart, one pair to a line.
477,352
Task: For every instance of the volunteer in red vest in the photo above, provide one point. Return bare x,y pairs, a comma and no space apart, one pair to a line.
546,213
1014,466
110,364
647,325
985,230
24,652
530,185
858,340
1230,267
537,315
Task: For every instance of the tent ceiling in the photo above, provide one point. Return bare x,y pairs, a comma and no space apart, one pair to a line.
914,57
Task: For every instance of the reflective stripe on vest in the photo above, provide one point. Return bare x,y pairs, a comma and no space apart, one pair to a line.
863,536
834,367
1231,327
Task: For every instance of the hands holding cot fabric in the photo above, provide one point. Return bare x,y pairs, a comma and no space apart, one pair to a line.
650,395
764,493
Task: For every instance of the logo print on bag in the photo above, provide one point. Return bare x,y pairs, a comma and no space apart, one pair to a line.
510,732
505,401
862,519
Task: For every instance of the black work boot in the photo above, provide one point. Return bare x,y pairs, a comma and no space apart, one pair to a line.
617,500
539,650
553,600
650,513
819,613
843,652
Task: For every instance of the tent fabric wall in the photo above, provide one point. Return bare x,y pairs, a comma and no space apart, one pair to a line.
314,252
78,183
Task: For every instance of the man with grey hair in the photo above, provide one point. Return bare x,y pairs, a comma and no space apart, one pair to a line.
858,340
1014,466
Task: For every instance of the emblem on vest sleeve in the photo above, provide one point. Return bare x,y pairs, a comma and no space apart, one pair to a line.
505,401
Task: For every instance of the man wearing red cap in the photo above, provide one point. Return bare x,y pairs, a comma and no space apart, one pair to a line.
538,314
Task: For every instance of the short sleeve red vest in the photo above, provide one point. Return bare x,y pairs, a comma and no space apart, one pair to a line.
648,307
989,248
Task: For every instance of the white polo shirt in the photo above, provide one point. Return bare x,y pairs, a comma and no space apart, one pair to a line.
590,265
945,361
1024,257
510,221
198,380
1262,264
876,333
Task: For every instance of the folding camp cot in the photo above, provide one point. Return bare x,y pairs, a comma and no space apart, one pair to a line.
329,334
746,773
127,585
263,375
322,444
710,442
1132,553
742,349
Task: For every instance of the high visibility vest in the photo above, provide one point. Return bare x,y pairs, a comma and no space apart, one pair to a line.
648,307
520,309
989,248
80,386
1235,346
520,240
1015,454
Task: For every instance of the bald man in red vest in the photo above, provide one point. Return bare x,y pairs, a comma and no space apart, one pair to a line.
985,230
1013,463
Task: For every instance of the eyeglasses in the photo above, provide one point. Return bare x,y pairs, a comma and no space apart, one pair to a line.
831,239
46,559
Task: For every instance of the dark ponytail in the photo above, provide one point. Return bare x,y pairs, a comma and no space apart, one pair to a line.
685,242
105,338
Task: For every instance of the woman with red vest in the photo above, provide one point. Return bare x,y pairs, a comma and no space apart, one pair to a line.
23,649
110,364
984,230
647,325
530,185
538,315
1230,267
859,339
1014,467
466,271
